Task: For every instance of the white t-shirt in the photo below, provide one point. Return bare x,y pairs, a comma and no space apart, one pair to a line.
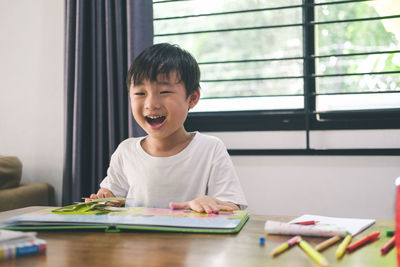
202,168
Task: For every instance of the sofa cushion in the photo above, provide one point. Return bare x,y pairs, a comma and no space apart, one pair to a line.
10,172
26,194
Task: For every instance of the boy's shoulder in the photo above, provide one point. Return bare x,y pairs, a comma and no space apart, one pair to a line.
129,143
205,139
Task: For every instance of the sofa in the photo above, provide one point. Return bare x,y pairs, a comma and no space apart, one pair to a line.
14,194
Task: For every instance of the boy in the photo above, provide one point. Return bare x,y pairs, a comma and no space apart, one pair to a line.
170,167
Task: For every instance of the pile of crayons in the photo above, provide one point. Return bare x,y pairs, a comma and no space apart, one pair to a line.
344,246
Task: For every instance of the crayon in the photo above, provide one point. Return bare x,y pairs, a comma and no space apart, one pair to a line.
307,222
281,248
342,247
315,255
327,243
389,232
366,239
388,246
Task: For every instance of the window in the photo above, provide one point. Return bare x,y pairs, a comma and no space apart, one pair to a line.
243,63
289,64
356,56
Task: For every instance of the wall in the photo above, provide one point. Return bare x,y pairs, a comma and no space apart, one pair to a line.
351,186
31,89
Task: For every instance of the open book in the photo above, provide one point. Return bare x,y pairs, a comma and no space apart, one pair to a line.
325,226
113,219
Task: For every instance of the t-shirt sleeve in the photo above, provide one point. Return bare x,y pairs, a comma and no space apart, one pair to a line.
224,183
116,180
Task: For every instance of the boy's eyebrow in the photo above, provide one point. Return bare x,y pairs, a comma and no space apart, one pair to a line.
164,82
137,83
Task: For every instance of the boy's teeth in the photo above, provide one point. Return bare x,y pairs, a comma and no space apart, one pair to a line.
155,119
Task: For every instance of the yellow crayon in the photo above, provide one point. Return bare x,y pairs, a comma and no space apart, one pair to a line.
282,247
315,255
342,247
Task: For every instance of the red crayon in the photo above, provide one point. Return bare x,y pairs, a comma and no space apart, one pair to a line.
366,239
388,246
307,222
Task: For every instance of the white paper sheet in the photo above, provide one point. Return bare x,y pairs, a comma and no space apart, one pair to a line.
326,226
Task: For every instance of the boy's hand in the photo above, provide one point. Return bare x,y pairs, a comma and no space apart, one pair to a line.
205,204
105,193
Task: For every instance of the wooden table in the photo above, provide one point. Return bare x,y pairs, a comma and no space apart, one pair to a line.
90,248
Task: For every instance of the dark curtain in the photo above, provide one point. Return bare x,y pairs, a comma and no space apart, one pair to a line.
102,37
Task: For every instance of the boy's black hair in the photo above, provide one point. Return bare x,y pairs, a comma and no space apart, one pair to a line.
162,59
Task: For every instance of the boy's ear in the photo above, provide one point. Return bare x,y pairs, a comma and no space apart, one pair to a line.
194,98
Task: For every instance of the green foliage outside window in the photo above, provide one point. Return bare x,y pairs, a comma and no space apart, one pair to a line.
248,62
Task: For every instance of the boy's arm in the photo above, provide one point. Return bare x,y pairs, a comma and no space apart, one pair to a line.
205,204
223,182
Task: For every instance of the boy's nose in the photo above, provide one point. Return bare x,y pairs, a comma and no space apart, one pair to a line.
152,102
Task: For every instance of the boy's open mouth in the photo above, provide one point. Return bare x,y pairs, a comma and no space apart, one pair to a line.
155,120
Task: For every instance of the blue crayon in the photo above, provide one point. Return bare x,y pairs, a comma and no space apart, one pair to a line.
261,241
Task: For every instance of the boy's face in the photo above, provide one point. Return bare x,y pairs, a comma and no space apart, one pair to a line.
161,107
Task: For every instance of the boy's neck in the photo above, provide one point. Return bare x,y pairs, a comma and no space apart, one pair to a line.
167,147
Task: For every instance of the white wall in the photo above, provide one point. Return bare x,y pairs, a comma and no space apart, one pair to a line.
351,186
31,87
31,127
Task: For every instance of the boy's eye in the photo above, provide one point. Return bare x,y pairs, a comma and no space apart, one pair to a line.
138,93
165,92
